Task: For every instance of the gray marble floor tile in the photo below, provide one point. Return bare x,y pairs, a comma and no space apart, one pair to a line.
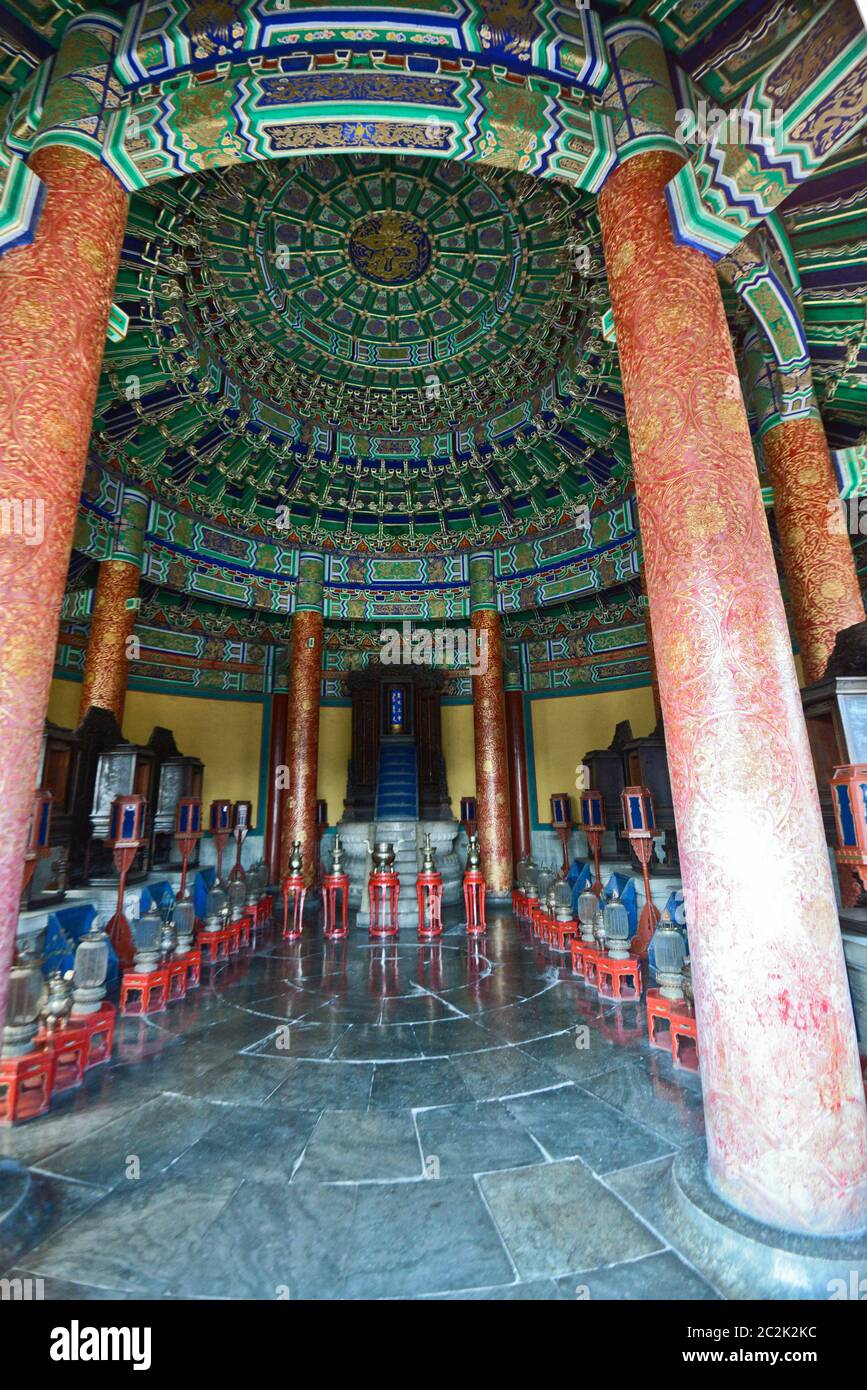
272,1241
477,1137
453,1036
241,1080
569,1123
346,1146
370,1043
577,1056
558,1217
144,1142
660,1278
250,1141
426,1237
503,1072
51,1203
315,1085
139,1237
404,1085
649,1091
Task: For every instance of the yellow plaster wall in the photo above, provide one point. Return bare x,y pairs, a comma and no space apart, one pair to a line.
459,752
566,728
335,746
63,701
225,734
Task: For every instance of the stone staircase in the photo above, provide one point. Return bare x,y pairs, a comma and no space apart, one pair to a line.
397,781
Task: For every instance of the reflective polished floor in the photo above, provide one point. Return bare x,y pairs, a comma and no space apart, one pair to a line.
359,1121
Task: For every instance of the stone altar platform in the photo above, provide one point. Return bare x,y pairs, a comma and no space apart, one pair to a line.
407,836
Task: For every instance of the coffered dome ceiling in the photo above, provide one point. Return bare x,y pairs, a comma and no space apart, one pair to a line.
372,350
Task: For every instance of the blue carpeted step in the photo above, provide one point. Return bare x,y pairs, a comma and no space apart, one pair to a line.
397,785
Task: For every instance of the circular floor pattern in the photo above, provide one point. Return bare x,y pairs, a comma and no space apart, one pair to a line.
359,1121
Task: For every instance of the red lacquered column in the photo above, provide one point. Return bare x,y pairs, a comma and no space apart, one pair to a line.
784,1101
302,718
489,731
817,556
115,610
106,666
56,296
276,794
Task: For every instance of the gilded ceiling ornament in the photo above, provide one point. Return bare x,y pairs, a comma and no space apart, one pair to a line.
390,248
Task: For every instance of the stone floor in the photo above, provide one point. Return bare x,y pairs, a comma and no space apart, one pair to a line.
361,1122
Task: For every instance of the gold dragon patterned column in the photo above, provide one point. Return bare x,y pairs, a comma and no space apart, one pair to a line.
115,607
489,729
56,297
817,552
783,1094
302,728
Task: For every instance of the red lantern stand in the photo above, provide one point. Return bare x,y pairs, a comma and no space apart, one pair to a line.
475,891
671,1025
26,1085
186,969
639,828
294,887
592,805
561,821
429,892
383,891
221,830
563,934
144,992
69,1049
619,979
27,1081
585,959
98,1030
334,918
529,905
538,916
125,838
848,789
242,821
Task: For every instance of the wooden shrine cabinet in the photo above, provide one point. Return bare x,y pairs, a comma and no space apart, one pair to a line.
123,768
645,764
835,711
174,776
396,702
606,776
58,773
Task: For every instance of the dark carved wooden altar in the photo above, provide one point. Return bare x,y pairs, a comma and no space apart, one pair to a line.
645,764
372,692
835,710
